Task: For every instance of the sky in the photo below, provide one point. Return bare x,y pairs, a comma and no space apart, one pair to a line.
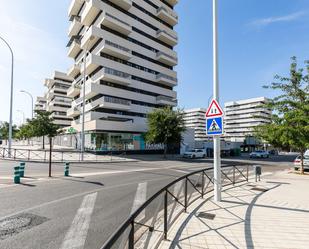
256,40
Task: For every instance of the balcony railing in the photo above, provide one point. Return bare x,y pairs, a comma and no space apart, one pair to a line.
165,98
172,13
167,33
161,75
117,19
116,101
167,55
117,46
116,73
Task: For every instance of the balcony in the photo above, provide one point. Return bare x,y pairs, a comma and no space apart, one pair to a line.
92,62
172,2
75,26
110,103
113,76
167,37
73,112
164,100
117,24
90,12
73,91
116,50
74,70
166,79
167,59
167,15
74,47
75,7
125,4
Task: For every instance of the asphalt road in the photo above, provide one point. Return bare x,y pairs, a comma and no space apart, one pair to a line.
45,212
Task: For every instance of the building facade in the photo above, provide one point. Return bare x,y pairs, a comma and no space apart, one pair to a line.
195,119
40,104
57,101
242,116
129,68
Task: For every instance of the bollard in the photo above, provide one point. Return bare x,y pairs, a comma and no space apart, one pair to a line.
22,169
16,175
67,169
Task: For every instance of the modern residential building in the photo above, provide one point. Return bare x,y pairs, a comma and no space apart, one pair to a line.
242,116
195,119
57,101
129,68
40,104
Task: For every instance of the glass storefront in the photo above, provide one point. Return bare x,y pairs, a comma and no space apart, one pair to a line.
108,141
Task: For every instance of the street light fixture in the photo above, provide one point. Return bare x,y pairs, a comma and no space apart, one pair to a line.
84,100
29,94
11,97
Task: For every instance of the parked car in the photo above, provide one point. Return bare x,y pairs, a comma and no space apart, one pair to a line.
259,154
196,153
297,162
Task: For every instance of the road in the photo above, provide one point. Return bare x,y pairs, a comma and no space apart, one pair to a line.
98,196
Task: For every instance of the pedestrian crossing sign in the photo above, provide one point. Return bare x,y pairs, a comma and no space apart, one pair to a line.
214,126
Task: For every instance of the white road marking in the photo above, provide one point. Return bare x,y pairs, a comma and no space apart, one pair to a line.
140,198
77,234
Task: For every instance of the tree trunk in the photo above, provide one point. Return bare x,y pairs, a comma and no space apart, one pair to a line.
43,142
302,162
165,151
50,156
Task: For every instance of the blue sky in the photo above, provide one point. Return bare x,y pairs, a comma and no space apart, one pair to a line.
257,39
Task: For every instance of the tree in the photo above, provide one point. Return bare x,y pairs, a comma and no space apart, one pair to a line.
25,131
290,121
165,126
4,130
43,125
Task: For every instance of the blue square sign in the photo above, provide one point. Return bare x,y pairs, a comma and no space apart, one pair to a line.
214,126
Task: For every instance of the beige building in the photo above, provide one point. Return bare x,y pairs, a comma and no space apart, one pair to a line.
129,67
57,101
195,119
40,104
242,116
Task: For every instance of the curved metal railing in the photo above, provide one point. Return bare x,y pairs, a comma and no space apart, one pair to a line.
150,223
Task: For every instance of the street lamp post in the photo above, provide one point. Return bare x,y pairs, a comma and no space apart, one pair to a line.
11,97
29,94
217,159
84,101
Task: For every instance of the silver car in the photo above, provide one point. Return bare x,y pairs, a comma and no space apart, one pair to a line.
259,154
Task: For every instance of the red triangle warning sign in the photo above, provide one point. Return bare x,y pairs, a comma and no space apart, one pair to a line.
214,110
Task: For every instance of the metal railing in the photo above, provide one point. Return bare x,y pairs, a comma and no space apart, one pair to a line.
149,225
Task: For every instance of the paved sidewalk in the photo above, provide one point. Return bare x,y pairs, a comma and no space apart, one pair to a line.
271,214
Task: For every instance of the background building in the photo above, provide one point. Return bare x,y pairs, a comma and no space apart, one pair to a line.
195,119
129,66
242,116
40,104
57,101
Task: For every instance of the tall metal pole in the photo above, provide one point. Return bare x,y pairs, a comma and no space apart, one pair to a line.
217,159
11,98
29,94
83,110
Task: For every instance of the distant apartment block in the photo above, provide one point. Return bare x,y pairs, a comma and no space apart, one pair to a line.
40,104
242,116
195,119
57,101
129,67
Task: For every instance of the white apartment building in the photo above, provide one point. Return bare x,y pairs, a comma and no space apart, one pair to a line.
40,104
242,116
57,101
129,67
195,119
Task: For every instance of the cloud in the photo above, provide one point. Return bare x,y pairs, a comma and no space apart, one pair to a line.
270,20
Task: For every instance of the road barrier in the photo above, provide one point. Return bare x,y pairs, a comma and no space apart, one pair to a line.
16,175
150,223
66,169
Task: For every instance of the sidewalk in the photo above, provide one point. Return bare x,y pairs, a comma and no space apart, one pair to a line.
271,214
